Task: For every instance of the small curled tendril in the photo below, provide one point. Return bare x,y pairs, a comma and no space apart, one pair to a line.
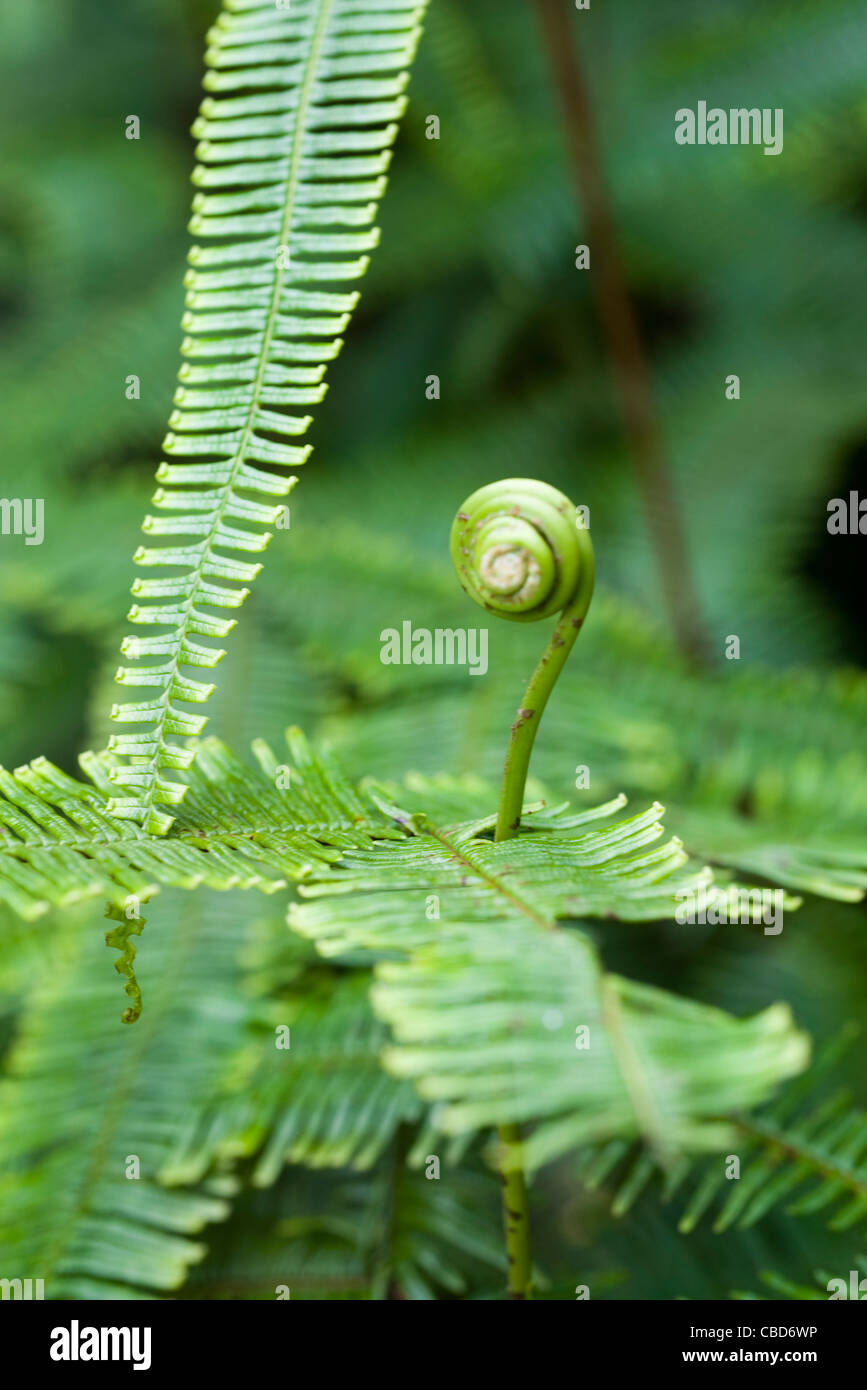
520,552
120,938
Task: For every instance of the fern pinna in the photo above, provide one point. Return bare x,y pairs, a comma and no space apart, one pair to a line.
293,149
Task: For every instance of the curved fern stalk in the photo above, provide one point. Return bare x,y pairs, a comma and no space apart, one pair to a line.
294,145
520,552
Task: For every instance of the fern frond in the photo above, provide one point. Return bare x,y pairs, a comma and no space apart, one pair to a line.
806,857
423,1235
807,1152
60,844
387,1233
486,1007
201,1086
558,868
818,1292
655,1065
321,1100
293,146
82,1101
296,1234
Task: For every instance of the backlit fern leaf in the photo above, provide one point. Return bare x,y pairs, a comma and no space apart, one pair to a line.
485,995
806,1151
60,844
294,145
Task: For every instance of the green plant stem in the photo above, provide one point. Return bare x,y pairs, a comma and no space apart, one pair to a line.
533,704
516,1219
516,1212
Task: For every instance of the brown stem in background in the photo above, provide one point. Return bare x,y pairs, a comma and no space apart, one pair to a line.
624,339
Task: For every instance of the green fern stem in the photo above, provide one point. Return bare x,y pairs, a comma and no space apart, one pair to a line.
516,1216
530,710
521,551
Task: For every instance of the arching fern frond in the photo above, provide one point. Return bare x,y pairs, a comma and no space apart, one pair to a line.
486,1022
239,827
60,844
294,145
321,1099
386,1233
89,1112
562,866
807,1152
488,1000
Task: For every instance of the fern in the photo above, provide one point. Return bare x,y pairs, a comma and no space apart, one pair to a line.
489,944
60,844
807,1150
80,1113
426,1237
488,996
564,871
481,928
324,1101
384,1234
783,798
293,150
84,1104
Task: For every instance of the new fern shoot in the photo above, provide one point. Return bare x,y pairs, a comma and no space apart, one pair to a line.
520,551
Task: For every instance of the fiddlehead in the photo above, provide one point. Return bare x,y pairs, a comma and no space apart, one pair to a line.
521,552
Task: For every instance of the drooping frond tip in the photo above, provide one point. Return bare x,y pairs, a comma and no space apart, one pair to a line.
129,924
293,147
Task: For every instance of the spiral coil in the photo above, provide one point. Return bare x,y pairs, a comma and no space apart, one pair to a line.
518,549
